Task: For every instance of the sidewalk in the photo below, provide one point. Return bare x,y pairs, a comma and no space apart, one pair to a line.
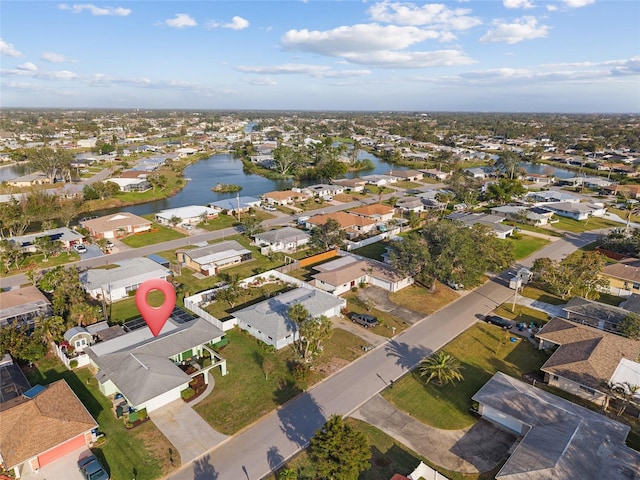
551,310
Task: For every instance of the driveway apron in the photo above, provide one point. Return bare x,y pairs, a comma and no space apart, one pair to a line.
186,430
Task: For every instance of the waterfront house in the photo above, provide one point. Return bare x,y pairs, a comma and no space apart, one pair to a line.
23,306
287,239
210,259
116,225
191,215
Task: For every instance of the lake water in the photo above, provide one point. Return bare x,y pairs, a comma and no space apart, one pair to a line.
9,172
544,169
224,168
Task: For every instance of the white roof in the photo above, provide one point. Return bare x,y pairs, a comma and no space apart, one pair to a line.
190,211
123,182
627,371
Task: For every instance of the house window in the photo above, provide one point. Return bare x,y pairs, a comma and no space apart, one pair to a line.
636,286
131,288
555,377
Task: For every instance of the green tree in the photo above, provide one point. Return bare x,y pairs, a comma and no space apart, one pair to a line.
47,247
313,332
231,292
299,314
504,190
625,392
286,159
250,225
579,273
338,451
411,255
442,368
51,162
630,326
10,254
327,236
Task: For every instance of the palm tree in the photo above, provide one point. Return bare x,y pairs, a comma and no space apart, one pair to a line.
441,367
625,392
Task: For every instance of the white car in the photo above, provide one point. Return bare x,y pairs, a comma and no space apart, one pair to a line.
80,248
269,208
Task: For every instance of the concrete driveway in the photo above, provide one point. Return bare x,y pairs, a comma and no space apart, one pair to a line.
65,467
368,335
478,448
186,430
380,298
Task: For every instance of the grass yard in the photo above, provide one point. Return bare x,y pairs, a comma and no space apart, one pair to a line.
407,184
522,314
388,457
249,296
421,300
220,222
579,226
35,260
126,309
158,234
532,291
259,381
374,250
143,449
483,350
525,245
387,322
610,299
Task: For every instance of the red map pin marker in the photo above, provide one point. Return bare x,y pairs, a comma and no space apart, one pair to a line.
155,317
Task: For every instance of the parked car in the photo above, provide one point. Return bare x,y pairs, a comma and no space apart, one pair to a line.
454,285
499,321
80,248
269,208
367,321
92,469
109,245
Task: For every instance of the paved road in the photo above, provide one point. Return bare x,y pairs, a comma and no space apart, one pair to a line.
262,447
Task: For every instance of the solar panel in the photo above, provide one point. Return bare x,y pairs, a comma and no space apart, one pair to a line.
34,391
134,324
178,315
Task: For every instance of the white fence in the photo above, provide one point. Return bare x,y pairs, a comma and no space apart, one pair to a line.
81,358
349,245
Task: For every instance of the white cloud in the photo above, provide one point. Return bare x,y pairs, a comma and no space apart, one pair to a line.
577,3
53,57
436,15
518,4
28,66
9,49
237,23
390,59
52,75
357,38
303,69
181,20
262,82
552,8
526,28
95,10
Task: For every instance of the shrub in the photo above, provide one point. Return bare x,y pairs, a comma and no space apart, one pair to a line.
300,372
187,393
206,362
73,364
354,289
142,414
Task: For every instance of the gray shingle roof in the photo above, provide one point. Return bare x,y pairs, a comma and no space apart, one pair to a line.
564,441
128,272
284,235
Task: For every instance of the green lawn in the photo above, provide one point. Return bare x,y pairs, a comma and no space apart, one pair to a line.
522,314
126,309
525,245
143,449
158,234
374,250
532,291
387,322
407,184
579,226
35,260
483,350
420,299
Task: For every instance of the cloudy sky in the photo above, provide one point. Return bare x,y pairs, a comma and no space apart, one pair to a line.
493,55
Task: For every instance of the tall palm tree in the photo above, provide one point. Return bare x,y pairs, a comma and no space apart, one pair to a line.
441,367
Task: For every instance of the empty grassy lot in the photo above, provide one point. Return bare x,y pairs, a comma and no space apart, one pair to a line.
579,226
420,299
525,245
158,234
482,350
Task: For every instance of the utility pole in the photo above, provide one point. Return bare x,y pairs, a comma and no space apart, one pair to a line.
515,295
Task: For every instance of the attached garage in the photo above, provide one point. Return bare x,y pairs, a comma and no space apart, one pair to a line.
62,449
500,418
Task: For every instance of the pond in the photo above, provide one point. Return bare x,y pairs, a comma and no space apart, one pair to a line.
544,169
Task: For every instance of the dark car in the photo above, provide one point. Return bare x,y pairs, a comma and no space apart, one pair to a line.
499,321
92,469
365,320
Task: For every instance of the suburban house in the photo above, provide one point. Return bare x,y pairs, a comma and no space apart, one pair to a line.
409,175
287,239
268,320
340,275
353,224
559,440
42,425
410,204
66,236
209,260
284,197
435,173
132,184
116,225
323,190
114,284
494,222
576,210
624,277
551,196
231,206
14,383
540,179
23,306
586,358
376,212
192,215
35,178
534,215
380,180
351,184
631,191
595,314
146,369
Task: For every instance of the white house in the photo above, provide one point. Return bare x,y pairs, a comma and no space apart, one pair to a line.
66,236
268,320
287,239
117,283
192,214
132,184
577,211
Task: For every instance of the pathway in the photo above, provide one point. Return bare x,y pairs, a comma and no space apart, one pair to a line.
474,449
186,430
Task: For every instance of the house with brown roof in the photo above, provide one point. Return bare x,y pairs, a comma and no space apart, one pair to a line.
409,175
353,224
50,422
284,197
586,358
116,225
596,314
632,191
376,212
623,276
22,306
348,271
351,184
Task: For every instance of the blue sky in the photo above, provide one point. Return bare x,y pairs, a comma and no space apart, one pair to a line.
503,55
